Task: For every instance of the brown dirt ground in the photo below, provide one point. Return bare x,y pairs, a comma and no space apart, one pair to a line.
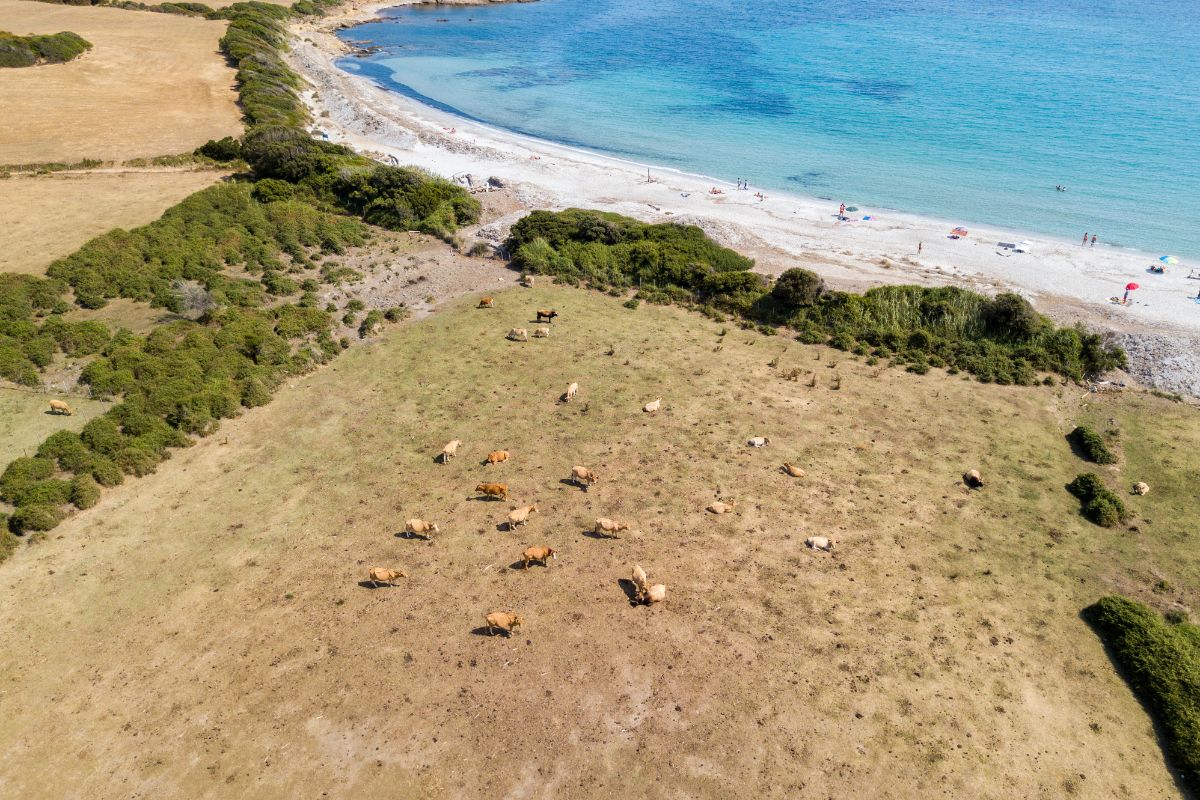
44,217
152,84
202,632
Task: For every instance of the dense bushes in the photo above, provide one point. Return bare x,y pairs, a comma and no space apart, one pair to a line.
26,51
1099,504
1091,446
1161,662
1002,340
198,240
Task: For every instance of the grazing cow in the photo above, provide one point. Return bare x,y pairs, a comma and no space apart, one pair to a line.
541,333
640,582
718,507
520,516
820,543
527,281
421,527
503,620
1141,488
973,479
793,470
610,527
497,490
450,450
59,407
487,302
387,577
656,593
758,441
572,390
533,554
518,335
582,476
652,406
496,456
546,316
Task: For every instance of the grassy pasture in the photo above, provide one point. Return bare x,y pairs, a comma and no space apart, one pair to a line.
220,643
25,423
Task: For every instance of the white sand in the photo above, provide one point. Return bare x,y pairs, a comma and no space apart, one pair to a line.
1062,278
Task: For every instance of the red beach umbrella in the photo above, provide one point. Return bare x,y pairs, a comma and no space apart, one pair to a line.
1129,287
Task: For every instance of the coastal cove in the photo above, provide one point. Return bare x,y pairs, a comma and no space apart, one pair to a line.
967,112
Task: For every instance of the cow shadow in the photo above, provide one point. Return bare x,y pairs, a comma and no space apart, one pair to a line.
592,533
374,585
484,630
484,497
505,527
410,536
572,484
630,590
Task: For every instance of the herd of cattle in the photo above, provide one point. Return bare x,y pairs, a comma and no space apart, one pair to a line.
643,591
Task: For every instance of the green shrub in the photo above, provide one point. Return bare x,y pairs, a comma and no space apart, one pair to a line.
23,473
106,472
1091,446
271,190
226,149
35,518
51,492
1001,340
8,542
397,314
1161,663
371,323
1098,503
85,492
26,51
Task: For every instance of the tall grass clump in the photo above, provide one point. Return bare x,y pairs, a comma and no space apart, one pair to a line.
1002,339
1161,663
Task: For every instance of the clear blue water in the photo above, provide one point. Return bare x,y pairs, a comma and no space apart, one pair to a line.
968,110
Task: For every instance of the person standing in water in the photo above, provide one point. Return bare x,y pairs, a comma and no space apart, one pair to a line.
1093,240
842,211
1085,233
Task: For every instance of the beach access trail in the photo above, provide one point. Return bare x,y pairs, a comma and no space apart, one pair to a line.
1063,279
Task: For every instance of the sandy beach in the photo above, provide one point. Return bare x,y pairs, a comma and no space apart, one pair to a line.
1064,279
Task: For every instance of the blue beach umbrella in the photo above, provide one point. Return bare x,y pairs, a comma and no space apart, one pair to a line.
1169,259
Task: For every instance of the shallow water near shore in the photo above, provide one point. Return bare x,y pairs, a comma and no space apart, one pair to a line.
965,111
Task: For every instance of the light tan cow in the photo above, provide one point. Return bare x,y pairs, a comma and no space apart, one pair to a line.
497,456
386,577
717,507
656,593
541,333
59,407
520,516
420,527
503,620
518,335
572,390
820,543
450,450
610,527
652,406
582,476
534,554
793,470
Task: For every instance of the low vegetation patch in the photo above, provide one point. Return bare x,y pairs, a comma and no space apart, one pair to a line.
1000,340
1161,662
1099,503
28,51
1091,445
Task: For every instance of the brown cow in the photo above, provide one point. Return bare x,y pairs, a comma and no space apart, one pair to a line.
496,490
504,620
496,456
487,302
532,554
387,577
546,315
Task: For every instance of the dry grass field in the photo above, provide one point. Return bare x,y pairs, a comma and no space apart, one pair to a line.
202,632
44,217
152,84
25,423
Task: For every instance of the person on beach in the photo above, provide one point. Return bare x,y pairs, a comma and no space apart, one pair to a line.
1093,240
842,211
920,247
1085,238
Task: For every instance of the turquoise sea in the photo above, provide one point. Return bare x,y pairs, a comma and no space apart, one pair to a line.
967,110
